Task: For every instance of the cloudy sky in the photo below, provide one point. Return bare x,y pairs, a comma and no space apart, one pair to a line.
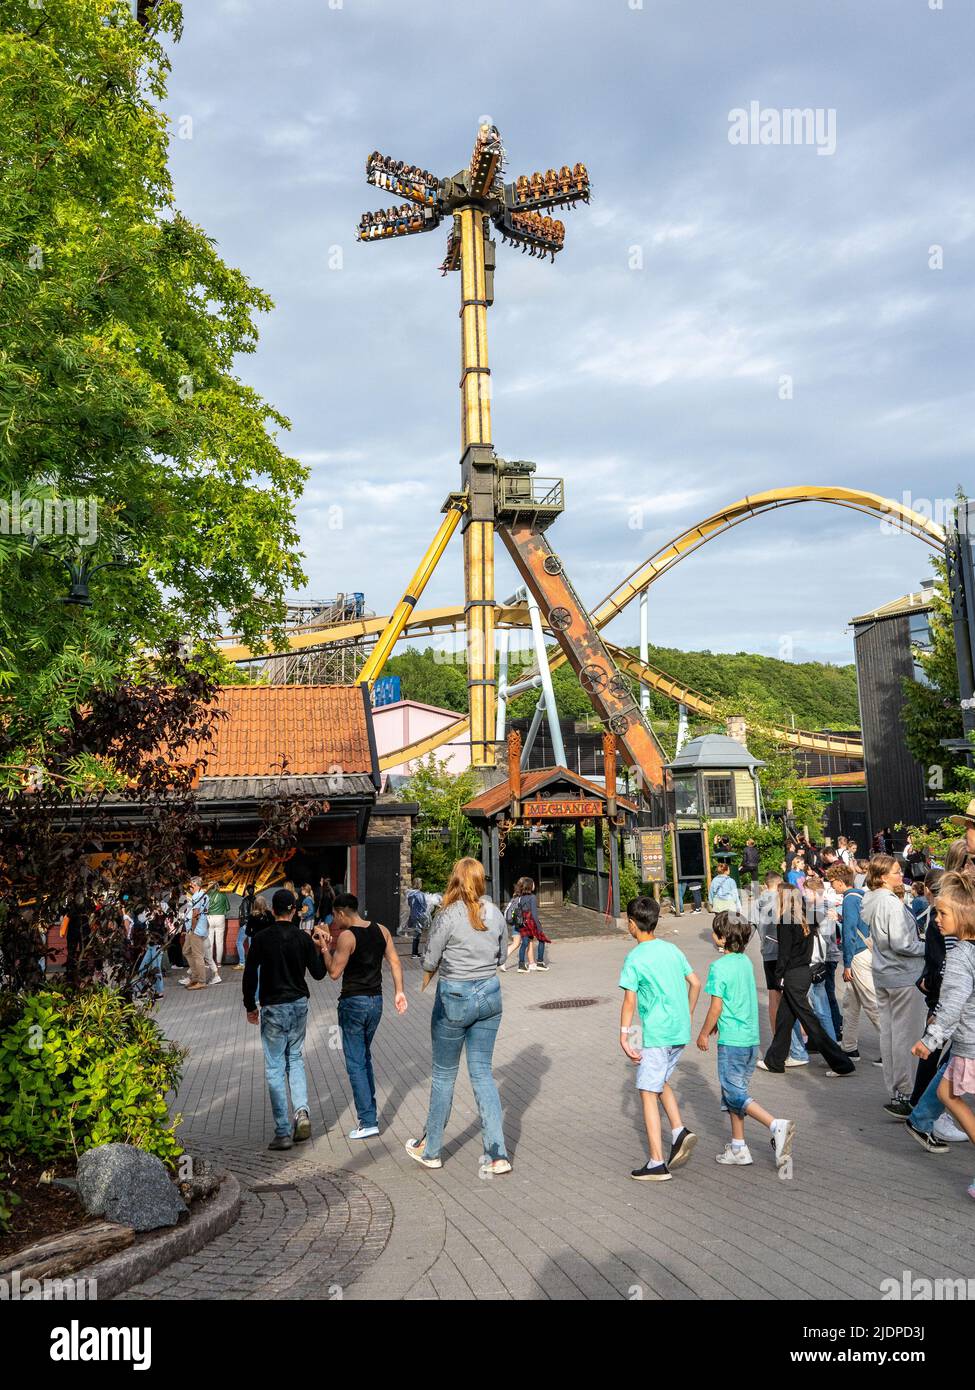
657,388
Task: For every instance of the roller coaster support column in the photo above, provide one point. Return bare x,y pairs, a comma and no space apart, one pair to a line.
404,609
644,651
478,469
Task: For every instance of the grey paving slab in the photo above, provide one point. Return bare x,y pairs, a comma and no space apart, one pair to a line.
339,1219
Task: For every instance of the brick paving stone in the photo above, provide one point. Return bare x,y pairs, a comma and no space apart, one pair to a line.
334,1218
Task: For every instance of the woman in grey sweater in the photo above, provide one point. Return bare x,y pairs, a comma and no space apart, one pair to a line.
468,942
898,961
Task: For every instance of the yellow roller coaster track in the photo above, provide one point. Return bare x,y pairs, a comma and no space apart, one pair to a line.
431,620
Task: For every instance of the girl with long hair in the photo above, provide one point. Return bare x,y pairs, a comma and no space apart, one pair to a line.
953,1019
524,905
793,973
467,943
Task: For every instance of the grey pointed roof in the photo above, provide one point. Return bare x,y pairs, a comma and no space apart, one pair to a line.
714,751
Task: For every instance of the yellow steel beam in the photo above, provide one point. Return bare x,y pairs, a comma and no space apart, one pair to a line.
423,746
665,558
478,535
700,704
423,622
400,616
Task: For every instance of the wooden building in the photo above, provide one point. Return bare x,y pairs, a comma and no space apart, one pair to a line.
884,642
551,806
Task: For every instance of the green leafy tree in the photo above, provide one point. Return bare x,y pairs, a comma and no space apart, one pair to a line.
120,329
443,834
931,709
428,676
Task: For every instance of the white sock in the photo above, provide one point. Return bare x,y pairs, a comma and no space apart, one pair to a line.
737,1144
675,1134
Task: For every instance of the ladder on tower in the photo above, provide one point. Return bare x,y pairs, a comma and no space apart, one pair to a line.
521,529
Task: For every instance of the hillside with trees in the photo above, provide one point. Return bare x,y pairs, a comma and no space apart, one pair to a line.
813,694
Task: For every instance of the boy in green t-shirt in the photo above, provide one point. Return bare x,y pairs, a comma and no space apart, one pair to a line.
657,977
733,1015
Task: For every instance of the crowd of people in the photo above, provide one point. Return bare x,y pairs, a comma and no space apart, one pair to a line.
406,179
904,944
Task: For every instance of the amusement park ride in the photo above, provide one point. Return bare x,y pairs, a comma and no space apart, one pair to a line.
506,497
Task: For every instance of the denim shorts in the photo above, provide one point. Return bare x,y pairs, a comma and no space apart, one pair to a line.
735,1068
656,1067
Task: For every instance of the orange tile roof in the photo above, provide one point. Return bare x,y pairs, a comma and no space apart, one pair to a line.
316,728
498,796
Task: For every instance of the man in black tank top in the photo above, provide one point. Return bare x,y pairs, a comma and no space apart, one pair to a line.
357,961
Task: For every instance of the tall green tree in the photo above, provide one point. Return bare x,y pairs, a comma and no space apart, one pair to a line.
120,331
931,710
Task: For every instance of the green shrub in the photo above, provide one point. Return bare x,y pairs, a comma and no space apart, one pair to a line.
768,839
8,1200
86,1069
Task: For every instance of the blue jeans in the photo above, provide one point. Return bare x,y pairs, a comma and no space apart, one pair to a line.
241,939
929,1108
834,1007
283,1036
358,1019
695,894
523,950
735,1068
466,1015
819,999
797,1048
151,965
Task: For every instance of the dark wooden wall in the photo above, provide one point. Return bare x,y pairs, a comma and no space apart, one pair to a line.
895,781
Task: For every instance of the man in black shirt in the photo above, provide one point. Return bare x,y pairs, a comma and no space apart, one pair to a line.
283,953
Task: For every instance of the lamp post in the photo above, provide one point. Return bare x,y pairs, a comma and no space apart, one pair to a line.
80,571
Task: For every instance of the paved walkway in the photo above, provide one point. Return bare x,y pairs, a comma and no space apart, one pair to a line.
335,1219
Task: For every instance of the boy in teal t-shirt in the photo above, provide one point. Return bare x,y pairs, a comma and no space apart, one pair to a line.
657,978
733,1015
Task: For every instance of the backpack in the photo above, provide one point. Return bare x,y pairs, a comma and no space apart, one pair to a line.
513,914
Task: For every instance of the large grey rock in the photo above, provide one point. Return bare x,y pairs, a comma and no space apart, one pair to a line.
127,1185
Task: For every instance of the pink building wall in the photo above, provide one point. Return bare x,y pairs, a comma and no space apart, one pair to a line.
406,721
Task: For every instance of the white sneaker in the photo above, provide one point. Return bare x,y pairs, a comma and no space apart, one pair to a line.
414,1147
796,1062
947,1129
533,966
364,1132
783,1133
216,980
503,967
738,1158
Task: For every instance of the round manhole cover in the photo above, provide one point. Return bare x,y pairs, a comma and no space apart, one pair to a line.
568,1003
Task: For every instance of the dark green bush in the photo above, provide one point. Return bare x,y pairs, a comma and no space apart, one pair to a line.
77,1070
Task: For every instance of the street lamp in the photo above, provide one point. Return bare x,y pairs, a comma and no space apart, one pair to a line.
80,571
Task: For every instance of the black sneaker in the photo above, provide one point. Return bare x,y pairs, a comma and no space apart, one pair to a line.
541,965
651,1172
682,1148
281,1141
900,1109
855,1054
877,1061
523,970
302,1126
928,1142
